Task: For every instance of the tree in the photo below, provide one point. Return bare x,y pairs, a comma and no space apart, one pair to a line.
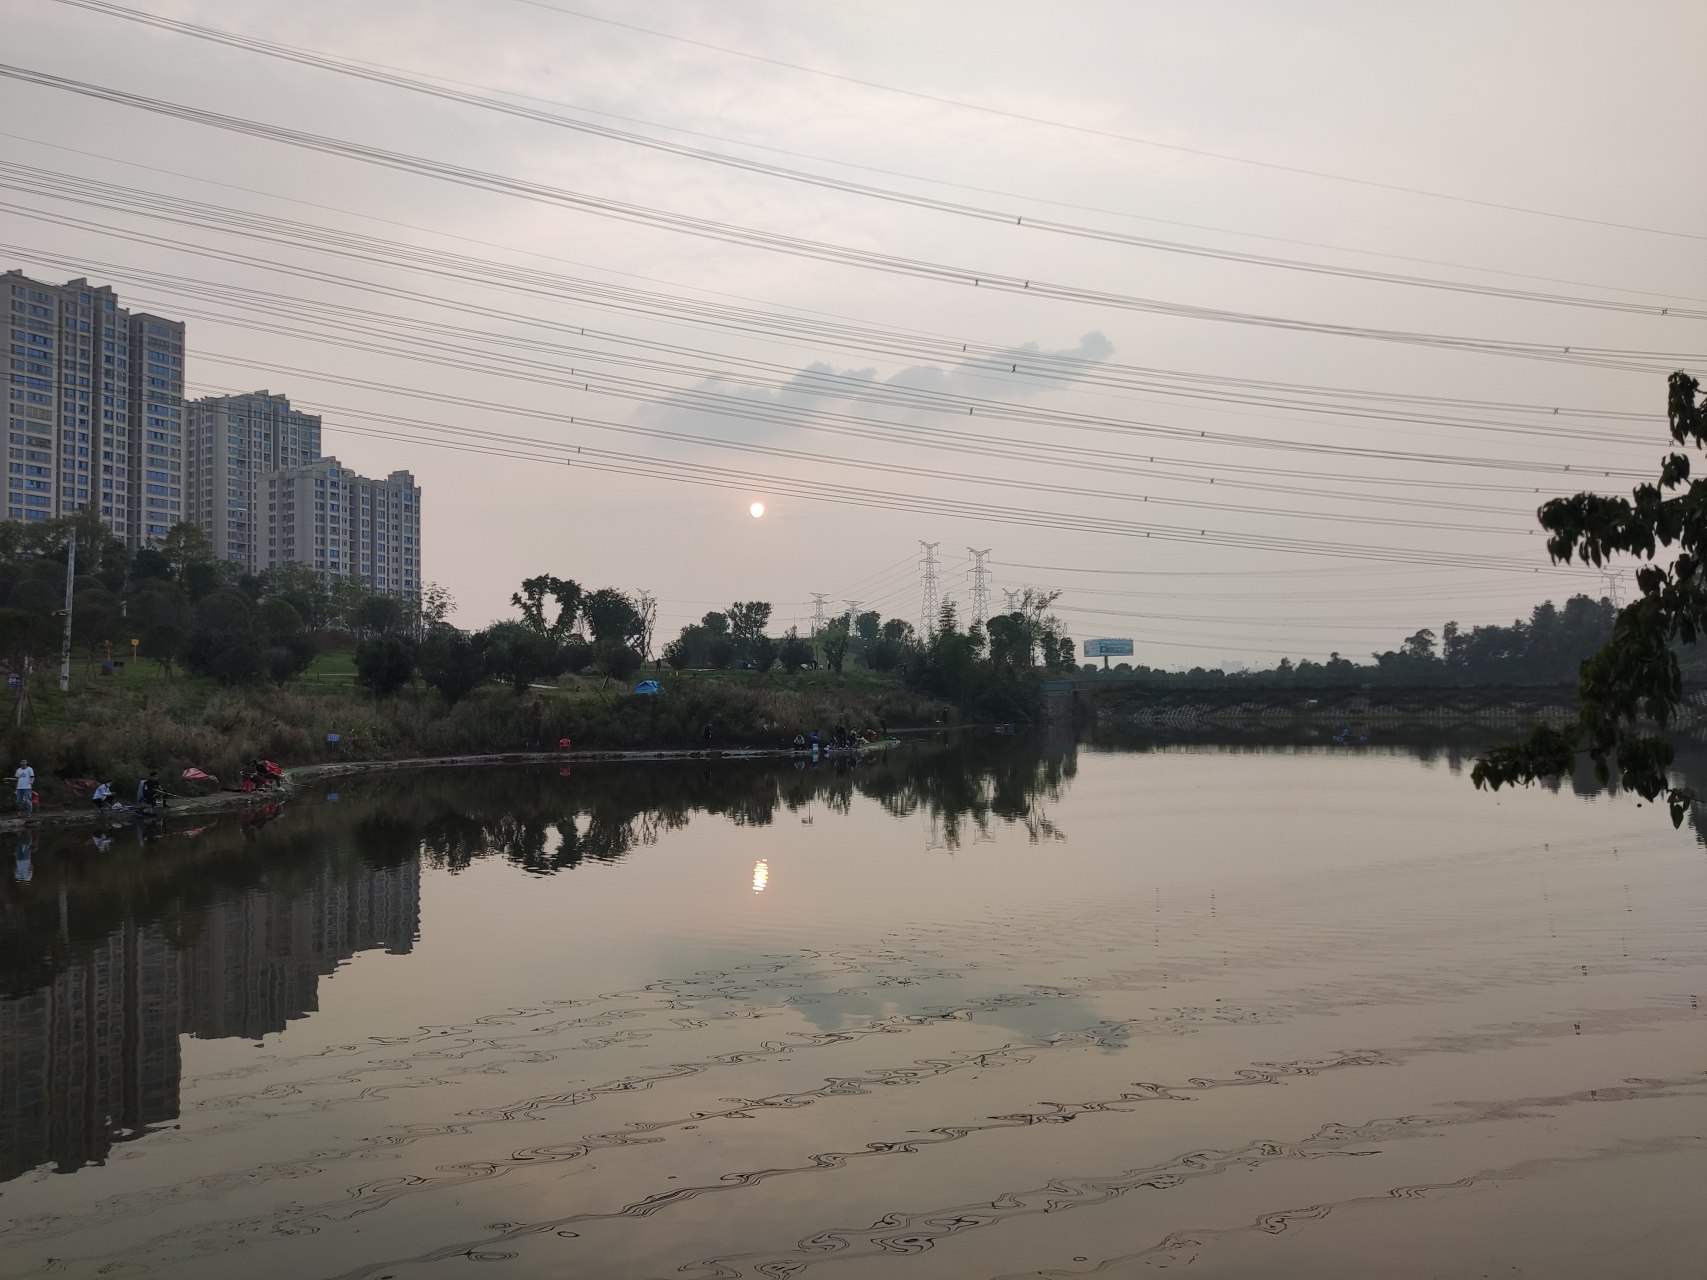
453,662
617,659
163,618
747,622
794,652
286,647
279,665
521,656
94,617
1010,641
185,544
301,588
1635,674
344,596
677,652
384,664
223,640
379,616
433,613
575,654
25,639
278,620
834,638
149,564
763,651
611,615
536,597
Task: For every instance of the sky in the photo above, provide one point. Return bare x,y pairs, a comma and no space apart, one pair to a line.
1256,330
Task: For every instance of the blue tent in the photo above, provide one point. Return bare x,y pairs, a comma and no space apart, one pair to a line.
648,686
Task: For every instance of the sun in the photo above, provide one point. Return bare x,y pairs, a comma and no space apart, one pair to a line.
756,510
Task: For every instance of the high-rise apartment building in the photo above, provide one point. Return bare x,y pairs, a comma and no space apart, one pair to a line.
343,525
232,445
94,413
386,541
156,427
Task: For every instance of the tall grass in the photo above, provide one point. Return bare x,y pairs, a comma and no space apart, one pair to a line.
172,726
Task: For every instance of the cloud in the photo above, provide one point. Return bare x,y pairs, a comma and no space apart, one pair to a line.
1012,373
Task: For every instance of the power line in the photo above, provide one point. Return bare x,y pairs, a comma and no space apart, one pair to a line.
746,410
1056,455
986,360
705,228
392,79
1112,134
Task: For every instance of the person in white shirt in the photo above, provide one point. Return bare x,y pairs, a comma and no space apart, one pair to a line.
25,780
102,797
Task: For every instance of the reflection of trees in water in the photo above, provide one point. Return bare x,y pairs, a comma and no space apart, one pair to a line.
544,822
1458,746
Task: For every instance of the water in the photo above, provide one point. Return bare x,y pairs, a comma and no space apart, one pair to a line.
1006,1008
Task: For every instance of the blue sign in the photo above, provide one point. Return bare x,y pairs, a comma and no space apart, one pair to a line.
333,739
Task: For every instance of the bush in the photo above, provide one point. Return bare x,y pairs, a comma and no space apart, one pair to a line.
384,665
454,663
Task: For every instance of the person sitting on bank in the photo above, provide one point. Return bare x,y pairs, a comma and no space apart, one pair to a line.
102,797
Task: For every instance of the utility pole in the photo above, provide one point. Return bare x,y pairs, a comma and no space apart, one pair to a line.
65,645
980,585
927,602
818,599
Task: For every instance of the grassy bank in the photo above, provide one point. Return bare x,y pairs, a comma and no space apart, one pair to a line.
118,727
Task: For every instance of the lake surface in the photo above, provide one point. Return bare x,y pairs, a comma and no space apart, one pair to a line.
995,1008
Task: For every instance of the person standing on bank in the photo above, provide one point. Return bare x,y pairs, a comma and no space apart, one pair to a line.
25,781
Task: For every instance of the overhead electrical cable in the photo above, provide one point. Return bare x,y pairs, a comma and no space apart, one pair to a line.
681,471
1113,134
329,320
361,324
1636,361
1028,483
390,79
984,360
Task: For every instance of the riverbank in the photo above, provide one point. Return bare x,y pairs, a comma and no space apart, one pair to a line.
214,801
1503,708
120,729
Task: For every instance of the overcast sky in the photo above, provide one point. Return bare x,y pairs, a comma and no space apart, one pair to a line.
1579,114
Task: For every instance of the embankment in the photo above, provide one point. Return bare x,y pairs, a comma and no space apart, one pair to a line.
1512,707
119,734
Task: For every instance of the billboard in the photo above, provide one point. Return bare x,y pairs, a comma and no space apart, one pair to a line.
1108,648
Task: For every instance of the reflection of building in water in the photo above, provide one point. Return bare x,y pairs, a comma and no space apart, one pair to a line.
259,959
92,1058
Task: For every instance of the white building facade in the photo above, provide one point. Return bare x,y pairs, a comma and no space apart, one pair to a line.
95,408
343,525
232,446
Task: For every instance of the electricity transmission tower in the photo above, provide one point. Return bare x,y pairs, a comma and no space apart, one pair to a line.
853,612
927,604
1615,587
818,598
1012,598
980,574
